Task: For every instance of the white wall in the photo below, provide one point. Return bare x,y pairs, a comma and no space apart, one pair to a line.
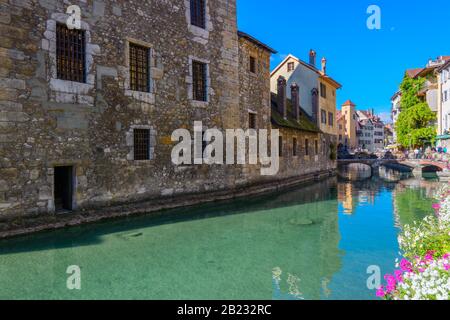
445,94
306,79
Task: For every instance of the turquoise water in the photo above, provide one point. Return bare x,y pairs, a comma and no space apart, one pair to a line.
314,242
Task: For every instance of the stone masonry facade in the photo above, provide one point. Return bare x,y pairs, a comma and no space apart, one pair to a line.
47,123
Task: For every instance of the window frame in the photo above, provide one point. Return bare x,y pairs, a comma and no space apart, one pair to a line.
138,151
253,65
198,13
137,87
81,54
290,66
294,147
330,119
252,121
204,81
323,90
323,116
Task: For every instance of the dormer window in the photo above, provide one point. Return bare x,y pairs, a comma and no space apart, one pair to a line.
198,13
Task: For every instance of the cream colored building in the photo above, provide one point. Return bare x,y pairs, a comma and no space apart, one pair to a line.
317,90
348,126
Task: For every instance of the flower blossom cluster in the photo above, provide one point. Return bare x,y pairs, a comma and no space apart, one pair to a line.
424,274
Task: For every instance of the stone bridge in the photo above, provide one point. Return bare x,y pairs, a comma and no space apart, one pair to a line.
417,167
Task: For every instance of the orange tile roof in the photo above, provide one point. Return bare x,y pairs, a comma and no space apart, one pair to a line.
349,102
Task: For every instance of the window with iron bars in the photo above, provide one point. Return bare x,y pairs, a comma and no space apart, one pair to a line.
70,54
200,90
141,144
198,13
139,68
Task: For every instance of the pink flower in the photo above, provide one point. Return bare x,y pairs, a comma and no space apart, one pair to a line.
399,276
429,256
381,293
446,256
405,265
391,283
436,206
446,267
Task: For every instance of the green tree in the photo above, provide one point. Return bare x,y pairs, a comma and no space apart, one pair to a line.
415,123
414,126
410,88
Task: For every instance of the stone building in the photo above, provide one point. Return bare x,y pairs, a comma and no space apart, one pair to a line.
303,147
87,115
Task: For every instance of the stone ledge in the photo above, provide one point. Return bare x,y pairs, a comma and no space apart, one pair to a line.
20,226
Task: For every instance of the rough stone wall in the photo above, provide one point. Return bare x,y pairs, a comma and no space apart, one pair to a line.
305,163
254,96
46,122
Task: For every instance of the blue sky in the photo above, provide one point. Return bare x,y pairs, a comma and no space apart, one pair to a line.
368,63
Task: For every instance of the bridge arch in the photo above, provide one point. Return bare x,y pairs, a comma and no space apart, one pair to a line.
431,168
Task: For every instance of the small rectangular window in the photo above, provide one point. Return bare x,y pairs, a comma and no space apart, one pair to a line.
316,147
306,147
141,144
280,140
70,54
323,90
139,68
199,81
330,119
294,147
252,121
252,65
323,114
291,66
198,13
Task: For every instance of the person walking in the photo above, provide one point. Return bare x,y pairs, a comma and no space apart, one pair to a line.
416,153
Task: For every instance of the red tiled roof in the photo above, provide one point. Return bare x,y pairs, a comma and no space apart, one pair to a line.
349,102
412,73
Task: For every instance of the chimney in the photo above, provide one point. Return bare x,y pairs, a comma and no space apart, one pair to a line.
295,97
281,97
312,57
324,65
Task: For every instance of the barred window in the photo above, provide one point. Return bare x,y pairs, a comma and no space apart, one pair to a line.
306,147
141,144
70,54
316,147
139,68
199,81
198,13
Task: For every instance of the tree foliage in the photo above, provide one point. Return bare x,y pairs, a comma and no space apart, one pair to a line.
410,88
414,126
415,123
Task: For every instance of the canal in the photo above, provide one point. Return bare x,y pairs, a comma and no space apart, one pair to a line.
313,242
